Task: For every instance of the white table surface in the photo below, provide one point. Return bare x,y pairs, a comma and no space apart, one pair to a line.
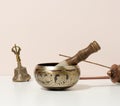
84,93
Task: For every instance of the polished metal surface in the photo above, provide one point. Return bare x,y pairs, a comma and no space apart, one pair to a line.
55,77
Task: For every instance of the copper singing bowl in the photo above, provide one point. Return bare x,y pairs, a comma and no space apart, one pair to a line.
55,77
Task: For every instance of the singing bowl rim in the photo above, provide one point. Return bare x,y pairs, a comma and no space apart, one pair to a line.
51,66
44,65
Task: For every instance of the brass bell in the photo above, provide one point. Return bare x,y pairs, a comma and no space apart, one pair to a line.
20,73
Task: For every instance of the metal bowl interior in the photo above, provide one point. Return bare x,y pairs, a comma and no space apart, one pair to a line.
55,77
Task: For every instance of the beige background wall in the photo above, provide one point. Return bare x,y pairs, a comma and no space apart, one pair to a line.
45,28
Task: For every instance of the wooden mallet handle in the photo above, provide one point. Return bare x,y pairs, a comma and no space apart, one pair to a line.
90,78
